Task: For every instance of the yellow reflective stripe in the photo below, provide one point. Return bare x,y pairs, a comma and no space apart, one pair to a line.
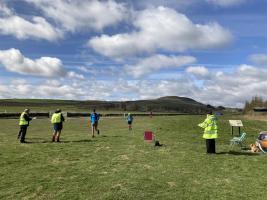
56,118
210,131
22,120
210,136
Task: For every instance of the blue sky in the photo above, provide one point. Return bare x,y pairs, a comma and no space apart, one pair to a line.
214,51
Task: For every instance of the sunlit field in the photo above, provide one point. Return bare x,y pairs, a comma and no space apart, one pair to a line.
118,164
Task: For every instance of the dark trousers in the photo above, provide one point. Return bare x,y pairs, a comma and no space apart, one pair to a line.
210,144
22,133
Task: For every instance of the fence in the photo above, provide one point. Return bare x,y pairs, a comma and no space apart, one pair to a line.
17,115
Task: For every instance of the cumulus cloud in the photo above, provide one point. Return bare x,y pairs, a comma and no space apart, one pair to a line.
106,89
234,88
4,10
198,71
108,71
77,15
72,74
161,29
227,89
226,3
168,3
14,61
259,59
36,27
157,62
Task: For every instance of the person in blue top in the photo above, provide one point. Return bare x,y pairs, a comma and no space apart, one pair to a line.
129,121
94,117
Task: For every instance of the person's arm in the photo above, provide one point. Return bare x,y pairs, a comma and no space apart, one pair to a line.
27,117
62,118
204,124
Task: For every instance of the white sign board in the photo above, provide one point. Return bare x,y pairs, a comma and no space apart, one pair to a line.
237,123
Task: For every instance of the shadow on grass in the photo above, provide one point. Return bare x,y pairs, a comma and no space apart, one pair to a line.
86,140
110,136
238,153
36,142
44,142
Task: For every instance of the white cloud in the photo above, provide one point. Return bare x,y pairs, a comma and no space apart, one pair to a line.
227,89
168,3
72,74
77,15
106,90
161,29
199,71
233,89
14,61
108,71
157,62
35,28
4,10
226,3
259,59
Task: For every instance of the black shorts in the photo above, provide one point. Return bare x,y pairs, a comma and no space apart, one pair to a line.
58,126
94,124
129,122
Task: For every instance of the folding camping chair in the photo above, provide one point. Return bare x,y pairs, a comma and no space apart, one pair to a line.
238,140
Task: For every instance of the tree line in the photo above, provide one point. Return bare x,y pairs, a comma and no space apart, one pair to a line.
255,102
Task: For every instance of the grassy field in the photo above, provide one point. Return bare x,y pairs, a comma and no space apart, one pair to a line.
118,164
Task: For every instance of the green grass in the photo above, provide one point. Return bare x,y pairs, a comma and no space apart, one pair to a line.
118,164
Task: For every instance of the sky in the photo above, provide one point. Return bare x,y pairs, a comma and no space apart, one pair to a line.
214,51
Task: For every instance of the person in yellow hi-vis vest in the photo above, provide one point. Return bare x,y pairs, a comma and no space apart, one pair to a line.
57,121
24,122
210,132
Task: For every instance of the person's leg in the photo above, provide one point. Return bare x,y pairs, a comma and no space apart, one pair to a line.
208,145
130,125
58,135
93,130
213,150
54,136
20,132
55,132
23,134
96,128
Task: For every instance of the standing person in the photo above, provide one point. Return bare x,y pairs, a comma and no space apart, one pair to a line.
210,132
94,117
24,122
57,121
130,121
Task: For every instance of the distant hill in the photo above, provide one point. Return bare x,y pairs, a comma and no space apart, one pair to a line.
162,104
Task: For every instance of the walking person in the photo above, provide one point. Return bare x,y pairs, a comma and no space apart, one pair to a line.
94,118
129,121
57,121
24,122
210,132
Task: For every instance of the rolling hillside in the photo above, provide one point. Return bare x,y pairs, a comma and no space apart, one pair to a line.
163,104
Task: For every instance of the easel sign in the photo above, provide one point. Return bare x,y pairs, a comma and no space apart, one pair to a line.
236,123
